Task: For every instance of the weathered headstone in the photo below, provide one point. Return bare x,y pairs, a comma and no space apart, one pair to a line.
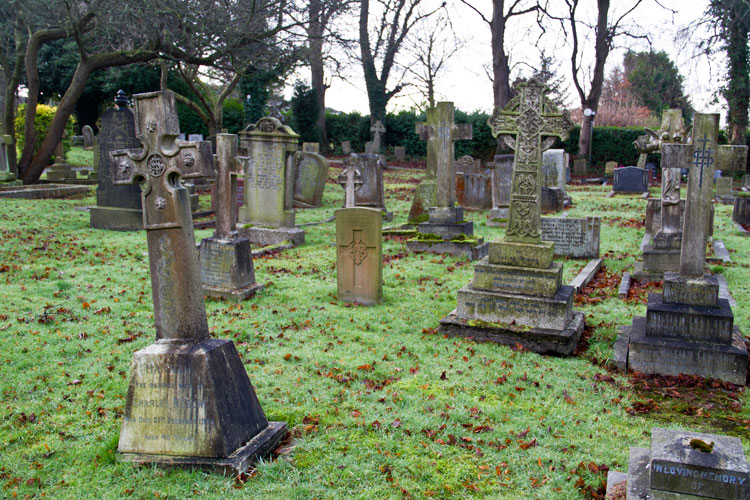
609,168
576,238
741,210
310,176
371,193
61,171
267,214
225,258
195,137
502,175
446,230
553,199
118,207
473,185
579,166
190,402
7,174
88,137
630,180
311,147
724,190
686,464
688,328
377,129
746,181
426,192
400,153
516,295
553,168
468,165
346,147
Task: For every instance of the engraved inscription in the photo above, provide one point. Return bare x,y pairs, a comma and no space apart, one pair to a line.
155,165
266,169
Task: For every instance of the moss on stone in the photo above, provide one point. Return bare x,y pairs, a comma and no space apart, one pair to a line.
428,237
700,445
479,323
462,238
419,219
499,220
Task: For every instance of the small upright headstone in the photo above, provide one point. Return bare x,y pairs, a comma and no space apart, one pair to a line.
746,181
579,166
553,168
371,193
7,174
468,165
118,207
473,186
576,238
609,168
310,176
190,402
741,209
346,147
267,214
88,137
630,180
724,190
377,129
311,147
400,153
502,175
195,137
225,258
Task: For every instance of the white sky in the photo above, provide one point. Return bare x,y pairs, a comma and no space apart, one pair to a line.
465,83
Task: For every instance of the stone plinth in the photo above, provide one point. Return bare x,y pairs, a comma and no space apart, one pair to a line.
41,191
265,236
227,268
359,255
447,232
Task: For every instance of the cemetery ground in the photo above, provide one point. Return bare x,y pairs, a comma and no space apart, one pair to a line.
379,405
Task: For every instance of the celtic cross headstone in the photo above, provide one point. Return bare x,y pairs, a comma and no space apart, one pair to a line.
378,129
351,181
359,254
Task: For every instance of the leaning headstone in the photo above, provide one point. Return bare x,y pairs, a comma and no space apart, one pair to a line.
688,328
576,238
516,295
118,207
311,147
446,230
195,137
377,129
400,153
579,166
88,137
267,214
609,168
371,193
225,258
684,464
346,147
630,180
741,210
310,176
190,402
502,175
724,190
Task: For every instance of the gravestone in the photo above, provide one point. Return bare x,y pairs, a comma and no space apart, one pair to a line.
426,191
371,193
190,402
61,171
195,137
579,166
377,130
346,147
741,209
576,238
630,180
609,168
686,464
473,185
553,199
468,165
446,230
400,153
225,258
516,295
7,173
688,328
724,190
311,147
554,162
672,130
88,137
266,216
663,253
746,181
310,176
502,175
118,207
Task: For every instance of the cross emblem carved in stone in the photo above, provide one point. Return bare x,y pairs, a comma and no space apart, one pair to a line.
357,250
161,162
351,180
523,123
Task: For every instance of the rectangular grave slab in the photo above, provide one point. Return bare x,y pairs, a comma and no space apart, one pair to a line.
573,237
630,180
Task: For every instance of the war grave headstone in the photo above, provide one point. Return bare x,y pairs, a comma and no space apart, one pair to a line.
359,246
88,137
473,186
310,176
226,261
190,402
502,175
686,465
446,231
688,328
724,190
266,216
609,168
630,180
400,153
371,193
426,191
573,237
579,166
516,295
311,147
346,147
118,207
741,209
7,174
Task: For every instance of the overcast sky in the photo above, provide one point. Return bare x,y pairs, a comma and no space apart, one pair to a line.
465,83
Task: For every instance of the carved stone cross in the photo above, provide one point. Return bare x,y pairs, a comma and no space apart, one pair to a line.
443,131
377,130
422,129
353,181
529,116
228,166
357,250
179,312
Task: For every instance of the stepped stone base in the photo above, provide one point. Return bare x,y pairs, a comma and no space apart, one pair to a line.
514,279
661,260
540,340
116,219
474,250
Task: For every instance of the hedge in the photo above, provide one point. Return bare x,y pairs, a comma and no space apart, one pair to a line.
42,121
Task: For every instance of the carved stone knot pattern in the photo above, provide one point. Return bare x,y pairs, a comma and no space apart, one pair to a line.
123,168
522,223
151,125
160,203
526,184
357,251
155,165
189,160
529,122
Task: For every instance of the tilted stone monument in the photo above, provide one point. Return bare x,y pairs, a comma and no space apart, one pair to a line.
88,137
516,295
225,258
118,207
359,247
446,230
310,176
371,193
630,180
190,402
688,328
502,175
426,191
266,216
686,465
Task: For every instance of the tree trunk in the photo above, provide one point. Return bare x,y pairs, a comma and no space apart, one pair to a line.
738,91
500,66
375,89
317,69
584,140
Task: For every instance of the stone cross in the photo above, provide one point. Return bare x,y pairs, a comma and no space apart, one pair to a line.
443,131
228,166
179,312
529,116
422,129
352,184
357,251
377,130
701,158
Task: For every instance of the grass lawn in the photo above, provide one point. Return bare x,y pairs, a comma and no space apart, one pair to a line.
379,405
